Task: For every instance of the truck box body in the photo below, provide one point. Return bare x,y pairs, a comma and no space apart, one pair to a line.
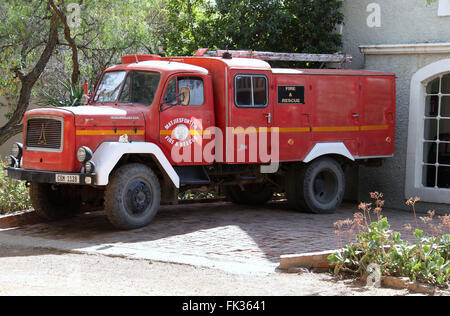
354,107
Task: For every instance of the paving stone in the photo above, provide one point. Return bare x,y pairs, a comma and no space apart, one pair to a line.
218,232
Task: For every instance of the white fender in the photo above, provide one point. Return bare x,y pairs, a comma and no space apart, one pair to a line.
108,155
321,149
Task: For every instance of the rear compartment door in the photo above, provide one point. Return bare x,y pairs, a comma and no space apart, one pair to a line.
293,111
337,111
378,114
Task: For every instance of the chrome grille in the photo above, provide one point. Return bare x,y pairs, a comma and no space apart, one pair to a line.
44,133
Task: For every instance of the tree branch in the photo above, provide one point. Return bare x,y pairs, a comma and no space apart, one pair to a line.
14,126
70,40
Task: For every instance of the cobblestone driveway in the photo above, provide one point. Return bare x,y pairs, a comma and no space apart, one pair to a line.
220,235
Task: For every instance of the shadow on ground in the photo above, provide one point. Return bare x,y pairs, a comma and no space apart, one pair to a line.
216,232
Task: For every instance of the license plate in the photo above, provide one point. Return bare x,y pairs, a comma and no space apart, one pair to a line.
67,178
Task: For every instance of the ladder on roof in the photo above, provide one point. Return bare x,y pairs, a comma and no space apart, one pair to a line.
271,56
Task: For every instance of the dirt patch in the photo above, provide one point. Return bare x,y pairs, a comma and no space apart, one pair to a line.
48,272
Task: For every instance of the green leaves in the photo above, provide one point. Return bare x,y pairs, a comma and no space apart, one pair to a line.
13,194
272,25
70,95
426,261
108,29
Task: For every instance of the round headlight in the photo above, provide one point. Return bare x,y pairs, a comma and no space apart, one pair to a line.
84,154
16,150
89,167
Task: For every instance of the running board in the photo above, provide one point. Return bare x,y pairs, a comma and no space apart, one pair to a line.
192,175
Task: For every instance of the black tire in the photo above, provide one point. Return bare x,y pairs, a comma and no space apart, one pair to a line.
55,202
253,194
132,197
318,187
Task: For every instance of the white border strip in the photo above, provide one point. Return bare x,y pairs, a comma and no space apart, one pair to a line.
404,49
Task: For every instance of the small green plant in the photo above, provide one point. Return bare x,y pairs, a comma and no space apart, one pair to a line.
196,195
70,95
14,195
425,260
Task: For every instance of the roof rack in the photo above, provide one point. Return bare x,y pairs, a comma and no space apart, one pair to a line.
271,56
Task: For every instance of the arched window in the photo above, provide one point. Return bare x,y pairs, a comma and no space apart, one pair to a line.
444,8
436,138
428,153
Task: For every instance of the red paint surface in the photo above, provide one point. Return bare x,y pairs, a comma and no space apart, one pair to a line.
353,107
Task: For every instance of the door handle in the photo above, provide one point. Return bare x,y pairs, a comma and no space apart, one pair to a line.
355,115
269,118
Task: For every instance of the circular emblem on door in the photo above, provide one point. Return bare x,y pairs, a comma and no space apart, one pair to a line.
181,132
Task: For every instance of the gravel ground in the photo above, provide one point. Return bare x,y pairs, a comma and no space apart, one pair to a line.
49,272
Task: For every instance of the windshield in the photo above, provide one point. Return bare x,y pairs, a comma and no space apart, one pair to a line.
140,87
109,87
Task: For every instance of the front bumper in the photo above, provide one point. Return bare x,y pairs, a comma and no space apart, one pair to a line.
49,176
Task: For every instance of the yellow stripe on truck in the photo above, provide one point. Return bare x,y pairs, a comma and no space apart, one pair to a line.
108,132
374,127
293,129
169,132
314,129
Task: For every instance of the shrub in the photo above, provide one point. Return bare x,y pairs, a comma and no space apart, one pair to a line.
14,195
426,260
196,195
69,95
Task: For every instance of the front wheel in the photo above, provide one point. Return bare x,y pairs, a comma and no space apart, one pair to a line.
132,197
318,187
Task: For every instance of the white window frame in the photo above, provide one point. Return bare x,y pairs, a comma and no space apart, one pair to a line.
444,8
414,186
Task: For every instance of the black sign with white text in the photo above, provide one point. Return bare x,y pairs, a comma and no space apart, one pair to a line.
291,95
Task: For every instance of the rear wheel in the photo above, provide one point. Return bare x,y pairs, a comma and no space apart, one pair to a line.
53,201
250,194
318,187
132,197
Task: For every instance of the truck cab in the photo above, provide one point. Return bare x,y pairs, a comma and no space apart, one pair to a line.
156,126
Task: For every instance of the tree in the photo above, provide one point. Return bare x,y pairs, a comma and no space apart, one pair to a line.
311,28
39,47
189,26
253,24
274,25
20,49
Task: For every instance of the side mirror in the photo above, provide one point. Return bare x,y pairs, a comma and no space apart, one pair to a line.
87,98
185,96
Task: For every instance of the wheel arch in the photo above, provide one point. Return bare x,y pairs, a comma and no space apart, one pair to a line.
110,155
335,150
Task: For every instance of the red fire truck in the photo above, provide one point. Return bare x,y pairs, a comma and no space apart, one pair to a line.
219,121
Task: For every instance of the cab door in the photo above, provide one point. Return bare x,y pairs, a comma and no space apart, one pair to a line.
250,117
186,112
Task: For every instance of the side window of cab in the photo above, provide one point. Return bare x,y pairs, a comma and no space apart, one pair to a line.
185,91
